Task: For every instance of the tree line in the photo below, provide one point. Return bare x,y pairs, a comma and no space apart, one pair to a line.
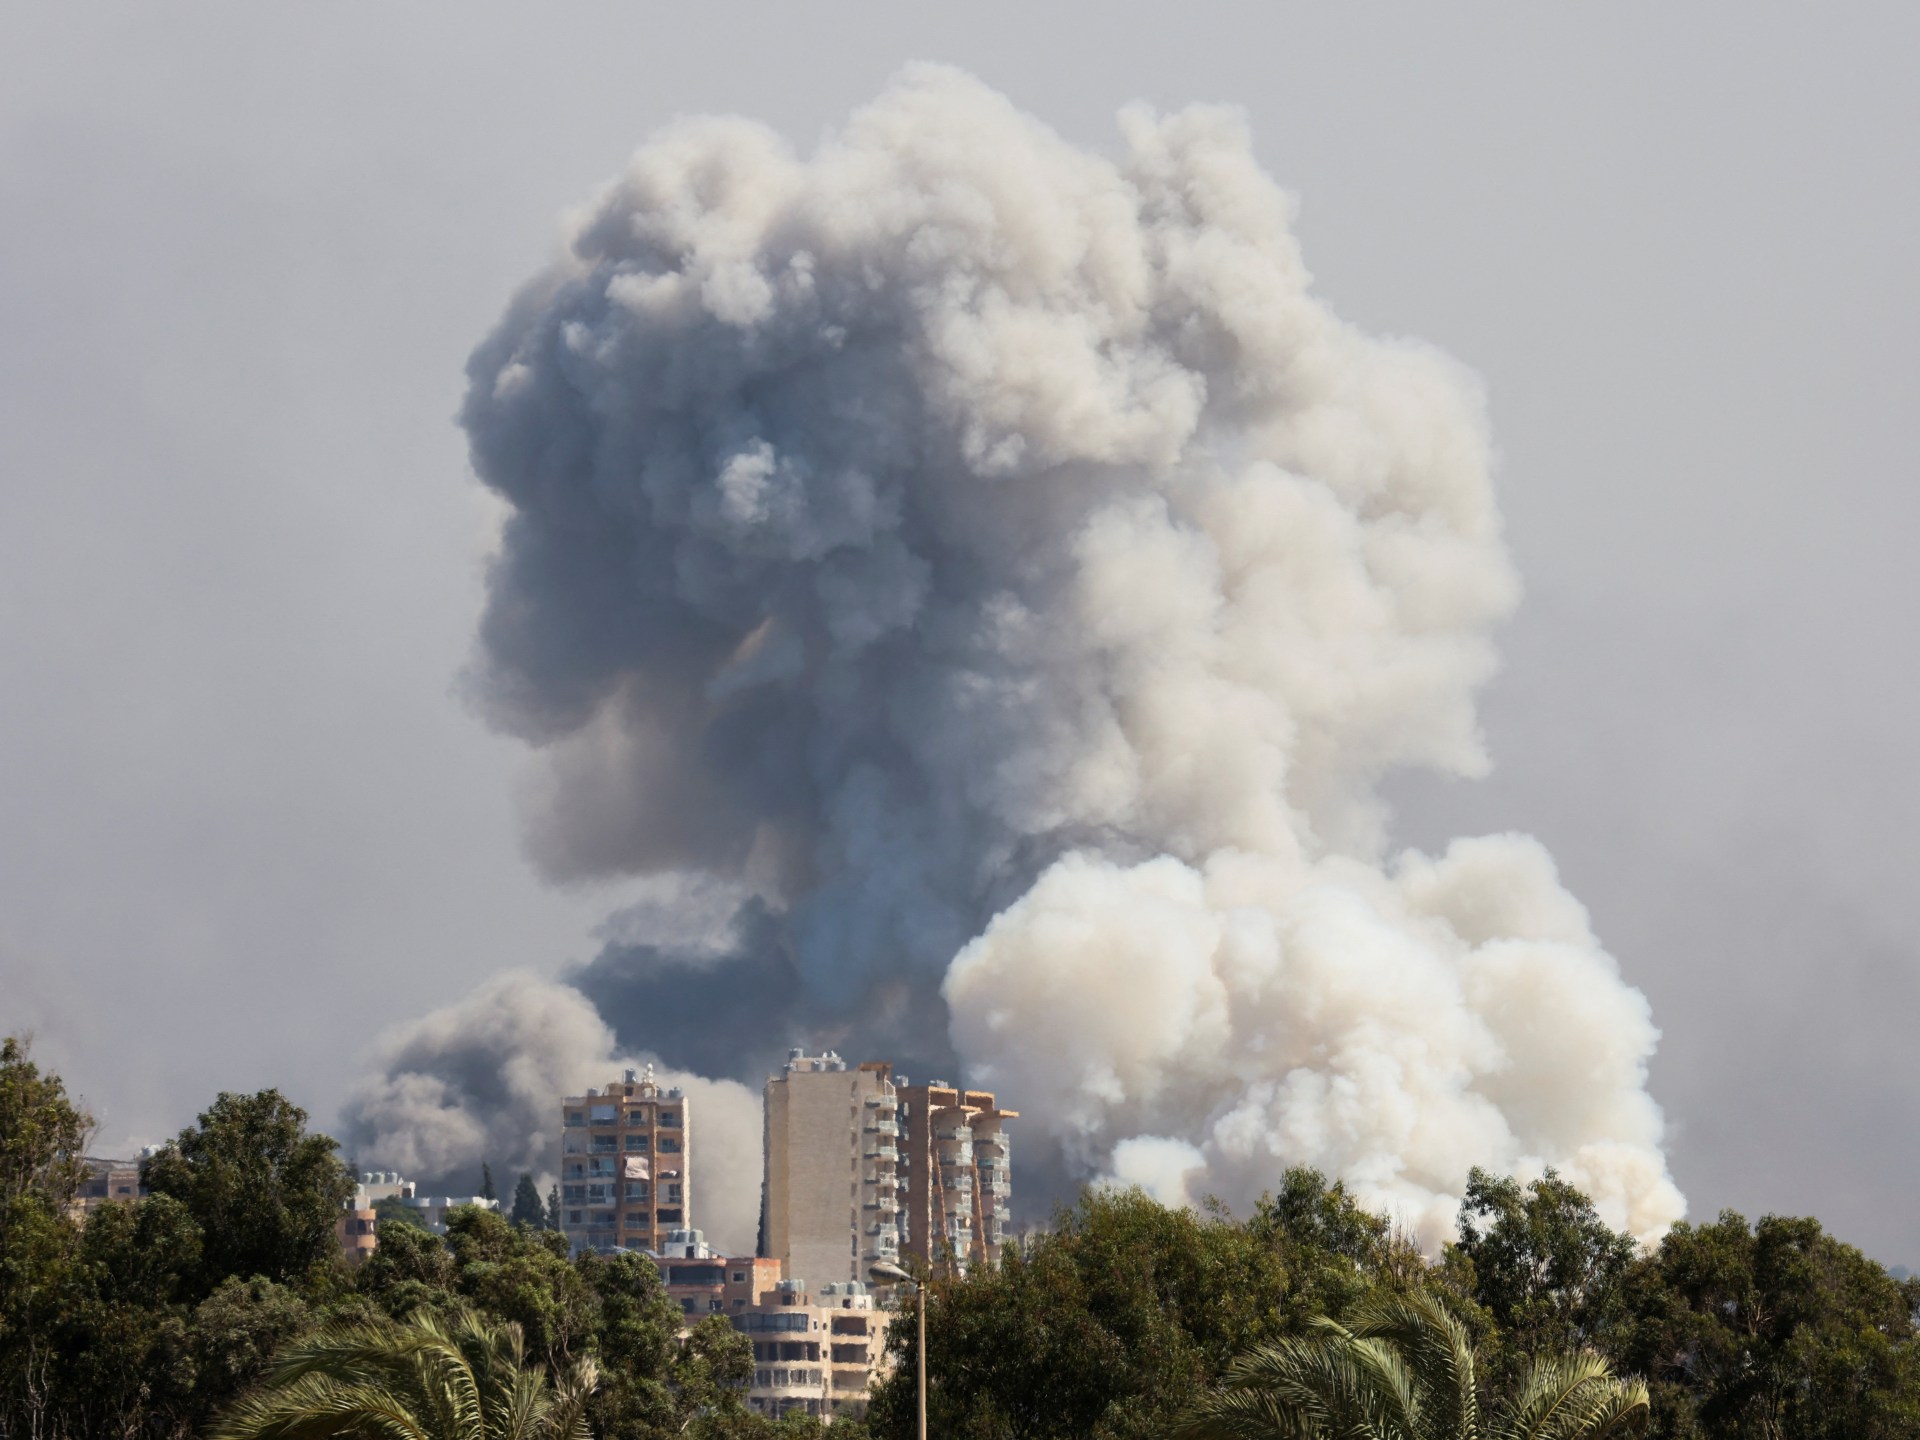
1122,1320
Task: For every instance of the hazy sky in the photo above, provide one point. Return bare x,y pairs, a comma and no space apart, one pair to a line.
245,251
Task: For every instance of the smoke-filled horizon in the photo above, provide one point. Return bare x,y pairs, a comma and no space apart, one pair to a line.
975,588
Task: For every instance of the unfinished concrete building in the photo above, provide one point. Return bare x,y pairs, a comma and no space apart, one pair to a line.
956,1174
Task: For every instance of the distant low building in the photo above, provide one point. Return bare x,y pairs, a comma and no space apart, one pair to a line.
355,1231
358,1225
107,1180
817,1351
432,1210
377,1185
702,1283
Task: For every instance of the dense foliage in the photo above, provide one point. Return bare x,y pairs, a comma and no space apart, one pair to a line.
146,1320
1113,1324
149,1319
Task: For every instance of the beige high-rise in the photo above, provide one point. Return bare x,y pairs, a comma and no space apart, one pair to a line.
830,1208
956,1173
625,1154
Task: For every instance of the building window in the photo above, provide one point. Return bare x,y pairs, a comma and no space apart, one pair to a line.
637,1142
669,1117
637,1117
576,1117
669,1145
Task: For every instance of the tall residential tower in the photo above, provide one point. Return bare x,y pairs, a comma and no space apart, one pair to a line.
830,1208
624,1155
956,1172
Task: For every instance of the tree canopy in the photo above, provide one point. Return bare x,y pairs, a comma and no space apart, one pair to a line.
265,1193
147,1319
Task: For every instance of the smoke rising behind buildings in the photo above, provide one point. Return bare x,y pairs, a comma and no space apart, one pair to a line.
975,587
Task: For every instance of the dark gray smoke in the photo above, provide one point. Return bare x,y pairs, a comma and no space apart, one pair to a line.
977,586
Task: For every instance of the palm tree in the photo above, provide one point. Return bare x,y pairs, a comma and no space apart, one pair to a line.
1403,1369
452,1377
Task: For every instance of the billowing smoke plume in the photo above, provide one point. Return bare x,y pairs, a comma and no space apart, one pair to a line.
482,1080
988,585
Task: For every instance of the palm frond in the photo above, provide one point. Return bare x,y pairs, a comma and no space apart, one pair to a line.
454,1377
1439,1352
316,1407
1574,1397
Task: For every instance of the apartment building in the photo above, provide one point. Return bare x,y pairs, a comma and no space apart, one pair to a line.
831,1201
624,1165
815,1349
702,1283
956,1173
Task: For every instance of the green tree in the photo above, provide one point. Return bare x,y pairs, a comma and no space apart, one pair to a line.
524,1277
411,1270
527,1210
461,1377
1333,1250
264,1192
392,1210
42,1137
636,1335
486,1182
1542,1265
1774,1331
1403,1368
553,1207
42,1133
1104,1327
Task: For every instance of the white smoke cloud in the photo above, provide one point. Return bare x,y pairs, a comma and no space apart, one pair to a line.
481,1080
973,546
1195,1030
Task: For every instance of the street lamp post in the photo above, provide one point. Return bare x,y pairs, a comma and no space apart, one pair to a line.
885,1272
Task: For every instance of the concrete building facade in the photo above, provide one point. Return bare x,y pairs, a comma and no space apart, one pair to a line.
817,1350
106,1181
625,1156
702,1283
956,1174
831,1202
